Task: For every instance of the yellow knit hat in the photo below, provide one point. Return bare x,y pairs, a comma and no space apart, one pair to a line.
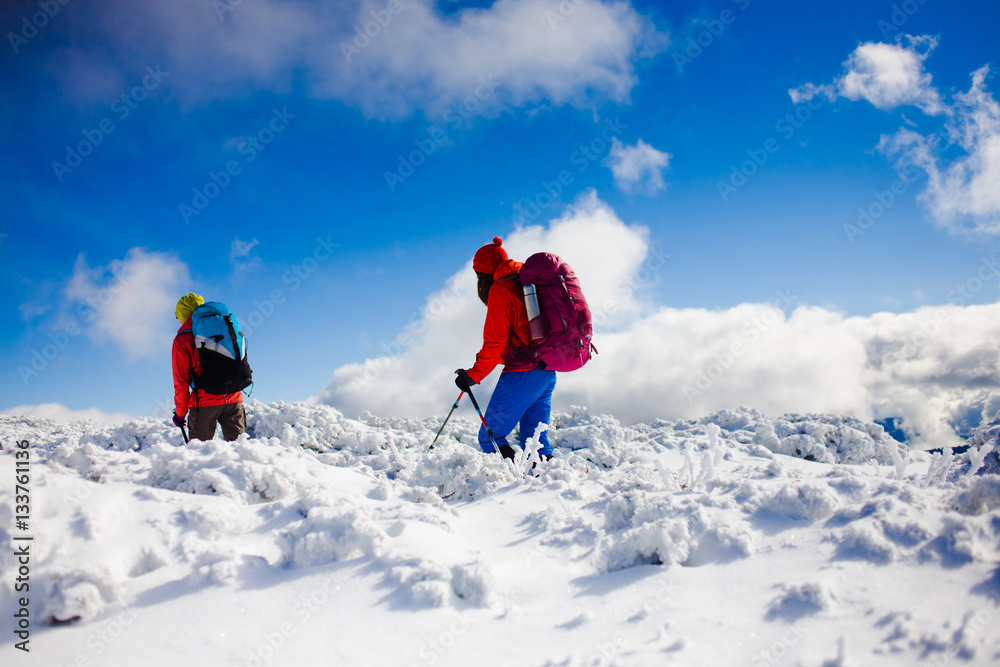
186,306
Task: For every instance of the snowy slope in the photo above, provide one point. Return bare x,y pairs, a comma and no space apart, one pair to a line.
318,540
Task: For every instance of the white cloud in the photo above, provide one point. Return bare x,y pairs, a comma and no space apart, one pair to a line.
638,168
425,60
415,58
935,367
417,367
130,302
964,195
932,367
60,412
886,75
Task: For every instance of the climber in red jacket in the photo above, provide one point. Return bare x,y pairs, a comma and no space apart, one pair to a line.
205,409
524,393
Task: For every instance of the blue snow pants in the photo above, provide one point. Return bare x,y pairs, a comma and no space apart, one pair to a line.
524,397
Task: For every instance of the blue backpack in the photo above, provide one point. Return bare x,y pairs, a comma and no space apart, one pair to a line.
222,350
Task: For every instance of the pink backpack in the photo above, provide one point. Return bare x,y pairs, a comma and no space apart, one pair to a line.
558,315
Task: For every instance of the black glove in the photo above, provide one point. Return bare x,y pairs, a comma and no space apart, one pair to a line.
463,381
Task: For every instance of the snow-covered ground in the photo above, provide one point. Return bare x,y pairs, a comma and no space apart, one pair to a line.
737,539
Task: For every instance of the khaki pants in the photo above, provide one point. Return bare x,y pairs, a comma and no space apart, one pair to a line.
231,417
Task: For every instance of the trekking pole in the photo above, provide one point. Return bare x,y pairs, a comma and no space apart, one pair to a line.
446,420
184,433
479,412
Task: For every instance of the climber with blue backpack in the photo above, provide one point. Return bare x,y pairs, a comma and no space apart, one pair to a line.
537,323
210,369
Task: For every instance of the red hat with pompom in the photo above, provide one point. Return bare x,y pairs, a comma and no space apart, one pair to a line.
488,257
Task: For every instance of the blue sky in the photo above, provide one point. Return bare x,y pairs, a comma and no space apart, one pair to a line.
496,101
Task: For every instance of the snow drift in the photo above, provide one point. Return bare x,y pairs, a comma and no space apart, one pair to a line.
735,538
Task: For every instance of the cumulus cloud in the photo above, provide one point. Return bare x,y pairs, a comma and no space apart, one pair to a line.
936,368
963,194
389,59
130,302
416,368
886,75
638,168
60,412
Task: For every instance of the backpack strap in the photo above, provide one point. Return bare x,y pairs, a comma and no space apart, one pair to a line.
518,343
516,279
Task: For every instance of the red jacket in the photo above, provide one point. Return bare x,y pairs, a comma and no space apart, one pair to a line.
185,363
506,333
